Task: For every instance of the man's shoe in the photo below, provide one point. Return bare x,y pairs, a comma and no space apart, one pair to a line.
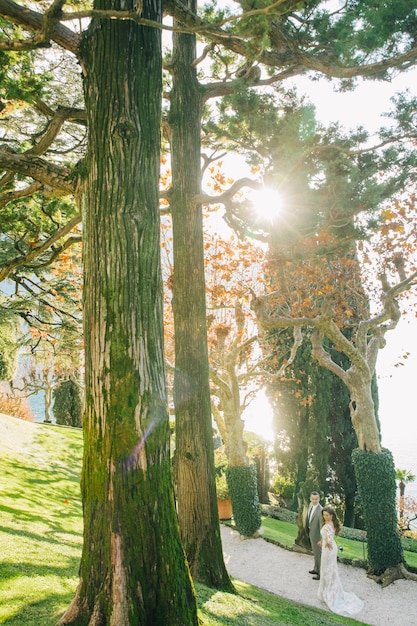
313,571
316,577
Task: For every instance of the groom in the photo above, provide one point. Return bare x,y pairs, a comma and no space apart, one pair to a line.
313,526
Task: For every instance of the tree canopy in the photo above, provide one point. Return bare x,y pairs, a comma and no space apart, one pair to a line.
112,180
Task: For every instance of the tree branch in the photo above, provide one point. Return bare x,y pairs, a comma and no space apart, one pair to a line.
323,357
43,247
221,384
54,125
291,56
8,196
65,314
227,195
56,252
54,177
224,88
34,22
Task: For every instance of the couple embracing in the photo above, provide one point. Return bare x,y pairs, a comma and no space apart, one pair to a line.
322,525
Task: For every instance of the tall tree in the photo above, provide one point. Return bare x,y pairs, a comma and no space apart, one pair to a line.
291,37
128,488
312,423
133,569
403,477
68,403
303,185
196,493
324,309
8,356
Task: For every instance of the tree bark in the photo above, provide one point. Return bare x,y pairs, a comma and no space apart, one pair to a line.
235,445
133,569
48,403
196,492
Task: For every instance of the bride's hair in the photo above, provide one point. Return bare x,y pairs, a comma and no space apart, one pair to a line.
336,522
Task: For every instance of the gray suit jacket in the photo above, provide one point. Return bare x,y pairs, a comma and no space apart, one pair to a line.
315,524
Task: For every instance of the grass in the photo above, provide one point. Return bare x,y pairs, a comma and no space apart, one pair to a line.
41,539
284,533
256,607
40,520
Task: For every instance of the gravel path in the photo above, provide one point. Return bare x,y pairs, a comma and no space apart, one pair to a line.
285,573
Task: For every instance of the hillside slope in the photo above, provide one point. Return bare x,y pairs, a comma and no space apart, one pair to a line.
41,539
39,472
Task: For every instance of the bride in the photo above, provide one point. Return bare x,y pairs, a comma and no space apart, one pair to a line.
330,588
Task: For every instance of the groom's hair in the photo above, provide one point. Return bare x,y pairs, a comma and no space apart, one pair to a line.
314,493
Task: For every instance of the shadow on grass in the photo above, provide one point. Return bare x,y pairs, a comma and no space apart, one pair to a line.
46,537
44,612
256,607
10,570
45,486
57,522
49,476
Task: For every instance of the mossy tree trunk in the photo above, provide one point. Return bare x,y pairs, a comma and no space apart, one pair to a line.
196,491
133,569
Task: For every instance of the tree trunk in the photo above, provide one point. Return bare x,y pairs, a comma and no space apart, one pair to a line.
362,410
196,491
235,445
375,476
133,570
302,452
349,516
48,403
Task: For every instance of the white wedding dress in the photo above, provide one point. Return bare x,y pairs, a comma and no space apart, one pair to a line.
330,588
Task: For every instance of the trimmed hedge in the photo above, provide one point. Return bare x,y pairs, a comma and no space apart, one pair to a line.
353,533
285,515
409,544
243,488
277,512
375,475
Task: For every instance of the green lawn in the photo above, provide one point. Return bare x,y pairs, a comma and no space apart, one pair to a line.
41,538
284,534
40,520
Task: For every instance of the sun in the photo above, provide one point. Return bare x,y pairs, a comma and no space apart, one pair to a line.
268,204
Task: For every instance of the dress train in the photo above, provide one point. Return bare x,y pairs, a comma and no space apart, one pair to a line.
330,587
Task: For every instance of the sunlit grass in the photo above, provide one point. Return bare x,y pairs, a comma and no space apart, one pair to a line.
284,533
40,521
41,538
256,607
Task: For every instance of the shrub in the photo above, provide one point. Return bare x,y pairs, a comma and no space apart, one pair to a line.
277,512
353,533
409,544
222,488
15,406
245,502
67,404
284,488
375,475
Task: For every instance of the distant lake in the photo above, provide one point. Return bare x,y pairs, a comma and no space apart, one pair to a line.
404,453
397,376
37,404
